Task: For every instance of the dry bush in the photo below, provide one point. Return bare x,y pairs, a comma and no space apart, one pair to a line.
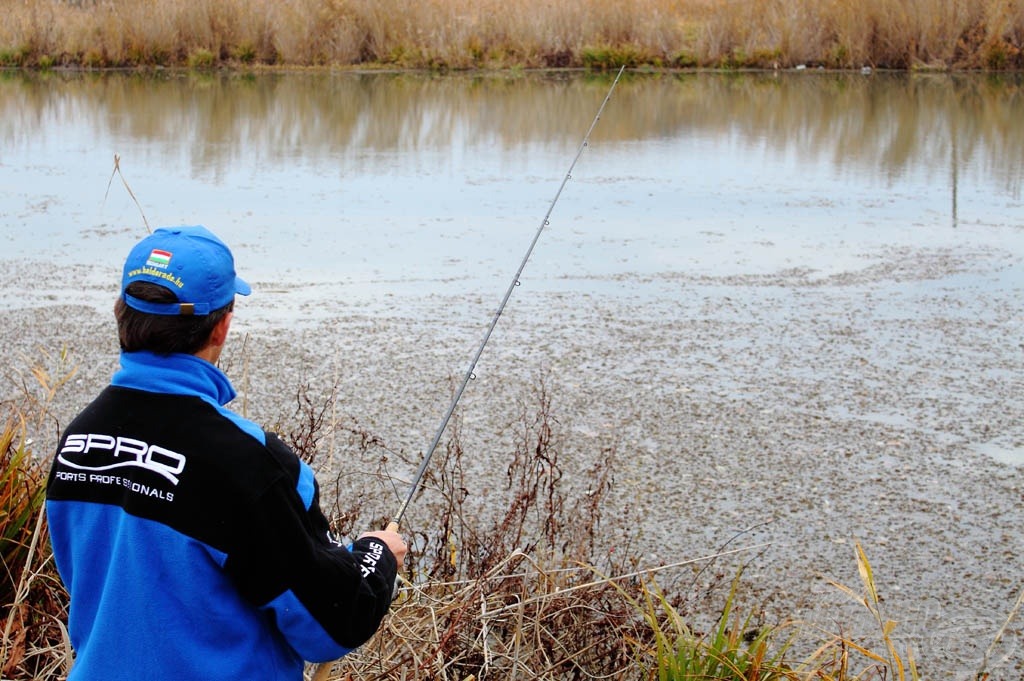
513,594
33,603
531,583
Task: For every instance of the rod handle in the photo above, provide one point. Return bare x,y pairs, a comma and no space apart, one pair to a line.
393,527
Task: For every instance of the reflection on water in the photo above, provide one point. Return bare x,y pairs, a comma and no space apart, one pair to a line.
387,180
382,182
888,124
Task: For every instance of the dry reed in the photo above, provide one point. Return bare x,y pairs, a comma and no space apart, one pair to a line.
33,603
461,34
525,588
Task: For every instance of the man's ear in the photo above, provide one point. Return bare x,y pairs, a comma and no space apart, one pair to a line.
220,332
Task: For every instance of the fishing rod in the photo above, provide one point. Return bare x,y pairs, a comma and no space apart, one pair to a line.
396,520
324,669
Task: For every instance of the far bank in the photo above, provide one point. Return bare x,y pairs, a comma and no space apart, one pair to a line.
928,35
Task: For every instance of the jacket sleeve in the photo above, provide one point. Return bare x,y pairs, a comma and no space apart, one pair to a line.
325,599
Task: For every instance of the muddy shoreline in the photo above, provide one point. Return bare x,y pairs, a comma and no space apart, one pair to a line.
884,406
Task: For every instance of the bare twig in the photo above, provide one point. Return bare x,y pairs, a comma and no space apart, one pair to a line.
117,171
983,669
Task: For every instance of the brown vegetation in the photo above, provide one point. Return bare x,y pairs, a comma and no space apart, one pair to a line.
460,34
515,593
33,602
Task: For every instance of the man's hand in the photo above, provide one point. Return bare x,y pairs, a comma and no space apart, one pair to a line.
394,542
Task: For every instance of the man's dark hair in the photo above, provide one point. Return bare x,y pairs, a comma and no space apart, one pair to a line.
162,334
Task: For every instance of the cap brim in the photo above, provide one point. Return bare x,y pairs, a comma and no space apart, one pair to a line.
241,287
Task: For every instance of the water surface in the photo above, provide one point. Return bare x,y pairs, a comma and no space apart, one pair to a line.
398,184
790,300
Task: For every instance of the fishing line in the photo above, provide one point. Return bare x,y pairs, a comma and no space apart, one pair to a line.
396,520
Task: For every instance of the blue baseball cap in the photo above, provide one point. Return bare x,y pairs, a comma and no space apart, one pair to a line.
189,261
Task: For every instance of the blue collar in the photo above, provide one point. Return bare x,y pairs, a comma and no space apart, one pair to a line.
176,374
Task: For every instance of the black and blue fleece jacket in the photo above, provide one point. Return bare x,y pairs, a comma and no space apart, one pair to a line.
192,543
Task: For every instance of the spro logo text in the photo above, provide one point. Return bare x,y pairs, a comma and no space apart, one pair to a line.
98,452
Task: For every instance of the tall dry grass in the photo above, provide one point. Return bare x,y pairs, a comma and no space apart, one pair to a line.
33,603
900,34
903,34
439,33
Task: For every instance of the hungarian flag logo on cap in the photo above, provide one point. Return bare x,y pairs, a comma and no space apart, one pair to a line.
159,258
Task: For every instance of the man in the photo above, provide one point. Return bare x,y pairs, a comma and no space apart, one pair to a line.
190,540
